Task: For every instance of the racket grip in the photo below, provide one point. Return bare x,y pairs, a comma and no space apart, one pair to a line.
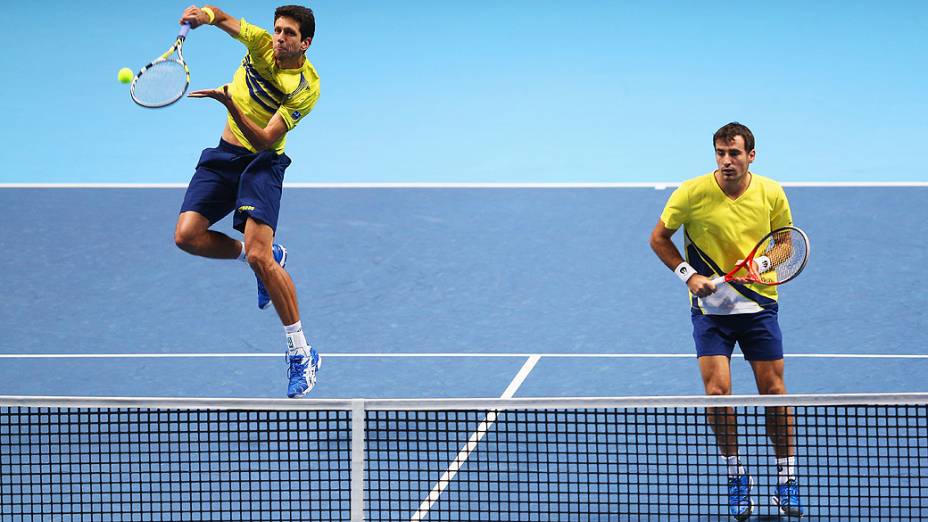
718,280
184,28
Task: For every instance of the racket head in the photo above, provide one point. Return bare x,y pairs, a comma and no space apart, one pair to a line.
160,83
164,80
788,251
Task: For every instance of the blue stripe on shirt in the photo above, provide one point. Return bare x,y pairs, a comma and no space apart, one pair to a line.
256,97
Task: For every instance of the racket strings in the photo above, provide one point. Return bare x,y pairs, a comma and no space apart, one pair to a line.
164,82
787,252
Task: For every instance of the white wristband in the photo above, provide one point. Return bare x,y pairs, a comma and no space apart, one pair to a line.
762,264
684,271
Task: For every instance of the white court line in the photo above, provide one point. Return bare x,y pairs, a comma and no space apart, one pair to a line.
472,442
659,185
92,185
520,377
414,355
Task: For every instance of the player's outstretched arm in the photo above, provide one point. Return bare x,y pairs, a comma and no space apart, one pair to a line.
211,15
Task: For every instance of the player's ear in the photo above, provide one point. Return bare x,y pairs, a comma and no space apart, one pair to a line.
304,45
751,155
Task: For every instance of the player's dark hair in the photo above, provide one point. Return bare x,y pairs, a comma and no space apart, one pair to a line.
728,133
303,15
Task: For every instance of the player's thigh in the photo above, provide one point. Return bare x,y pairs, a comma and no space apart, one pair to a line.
190,226
716,374
193,221
769,376
259,240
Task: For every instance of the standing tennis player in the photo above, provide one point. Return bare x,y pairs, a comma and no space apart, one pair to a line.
273,89
724,214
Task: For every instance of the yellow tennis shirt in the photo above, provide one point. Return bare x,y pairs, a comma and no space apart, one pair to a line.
261,89
718,231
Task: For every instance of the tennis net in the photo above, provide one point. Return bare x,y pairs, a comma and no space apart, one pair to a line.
858,457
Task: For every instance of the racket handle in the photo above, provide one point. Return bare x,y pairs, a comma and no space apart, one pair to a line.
183,30
718,280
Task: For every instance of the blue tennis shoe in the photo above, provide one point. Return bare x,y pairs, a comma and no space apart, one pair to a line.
302,372
280,256
787,499
740,505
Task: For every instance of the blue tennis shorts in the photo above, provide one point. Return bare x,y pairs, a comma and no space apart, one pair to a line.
757,334
230,178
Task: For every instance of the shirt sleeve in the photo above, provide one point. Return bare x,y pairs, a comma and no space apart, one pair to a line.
293,111
780,215
256,40
676,211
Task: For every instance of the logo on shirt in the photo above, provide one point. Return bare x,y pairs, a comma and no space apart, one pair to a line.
296,115
245,208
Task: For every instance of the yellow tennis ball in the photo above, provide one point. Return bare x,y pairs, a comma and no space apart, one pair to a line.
125,75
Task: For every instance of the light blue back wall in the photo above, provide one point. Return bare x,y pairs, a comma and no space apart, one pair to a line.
484,91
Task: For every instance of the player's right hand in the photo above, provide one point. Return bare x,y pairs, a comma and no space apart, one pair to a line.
194,16
701,286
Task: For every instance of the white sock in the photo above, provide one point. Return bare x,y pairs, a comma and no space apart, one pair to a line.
241,257
734,466
296,341
786,469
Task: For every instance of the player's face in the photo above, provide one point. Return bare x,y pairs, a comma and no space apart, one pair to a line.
732,159
287,42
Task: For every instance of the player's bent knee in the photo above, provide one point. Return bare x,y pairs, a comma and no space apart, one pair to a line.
261,262
186,240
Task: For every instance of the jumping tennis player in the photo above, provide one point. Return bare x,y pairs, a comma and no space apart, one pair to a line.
724,213
273,89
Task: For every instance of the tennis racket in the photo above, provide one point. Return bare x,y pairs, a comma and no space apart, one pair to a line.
779,257
164,80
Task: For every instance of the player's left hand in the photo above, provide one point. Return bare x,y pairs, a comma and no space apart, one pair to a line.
221,94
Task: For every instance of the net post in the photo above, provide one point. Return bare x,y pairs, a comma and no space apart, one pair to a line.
357,460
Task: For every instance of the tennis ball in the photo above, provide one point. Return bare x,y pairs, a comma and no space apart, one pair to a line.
125,75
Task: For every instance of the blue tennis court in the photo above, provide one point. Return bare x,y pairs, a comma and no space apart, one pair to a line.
461,285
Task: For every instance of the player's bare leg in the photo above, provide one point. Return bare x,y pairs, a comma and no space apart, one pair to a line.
304,361
259,240
716,378
779,424
779,421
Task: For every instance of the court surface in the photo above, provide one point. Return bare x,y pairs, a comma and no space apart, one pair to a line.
438,292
